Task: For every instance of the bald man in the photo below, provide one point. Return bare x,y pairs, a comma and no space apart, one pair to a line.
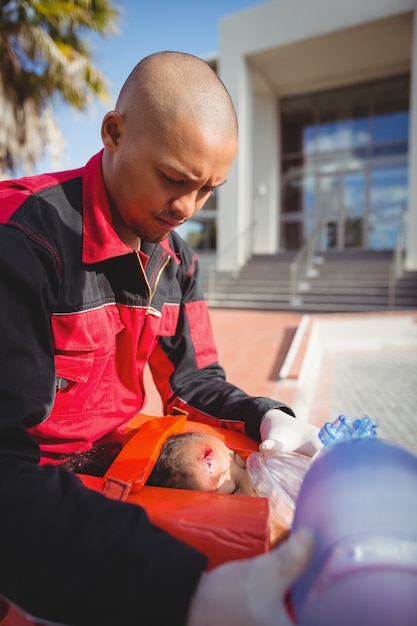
95,284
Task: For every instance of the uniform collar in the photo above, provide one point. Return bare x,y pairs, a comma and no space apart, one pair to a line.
100,240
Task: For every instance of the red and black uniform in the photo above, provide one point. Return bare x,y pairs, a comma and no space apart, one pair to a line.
81,314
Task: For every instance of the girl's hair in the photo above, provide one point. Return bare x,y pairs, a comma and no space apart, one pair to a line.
171,468
94,462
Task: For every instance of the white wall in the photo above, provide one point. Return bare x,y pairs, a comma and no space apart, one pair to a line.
270,26
411,256
280,22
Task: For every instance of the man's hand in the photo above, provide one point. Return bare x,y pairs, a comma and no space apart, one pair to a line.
251,592
280,431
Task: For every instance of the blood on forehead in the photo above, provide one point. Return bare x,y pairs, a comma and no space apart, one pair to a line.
206,456
208,463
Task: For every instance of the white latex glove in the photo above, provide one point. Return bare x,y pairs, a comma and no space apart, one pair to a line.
280,431
251,592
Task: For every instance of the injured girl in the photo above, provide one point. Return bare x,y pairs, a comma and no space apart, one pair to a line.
202,462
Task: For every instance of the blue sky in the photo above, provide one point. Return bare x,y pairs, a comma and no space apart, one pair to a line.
144,27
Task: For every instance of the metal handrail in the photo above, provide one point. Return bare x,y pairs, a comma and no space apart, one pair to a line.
396,268
294,273
212,273
303,263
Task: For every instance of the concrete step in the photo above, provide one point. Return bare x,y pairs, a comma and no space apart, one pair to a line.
284,303
345,282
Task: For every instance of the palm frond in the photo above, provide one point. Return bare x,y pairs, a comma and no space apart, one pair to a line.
44,54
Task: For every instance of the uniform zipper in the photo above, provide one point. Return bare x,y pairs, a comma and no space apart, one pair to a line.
151,292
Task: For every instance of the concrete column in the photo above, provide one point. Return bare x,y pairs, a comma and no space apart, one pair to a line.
266,169
234,207
411,254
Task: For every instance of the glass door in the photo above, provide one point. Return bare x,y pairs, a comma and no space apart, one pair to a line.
329,202
353,209
341,209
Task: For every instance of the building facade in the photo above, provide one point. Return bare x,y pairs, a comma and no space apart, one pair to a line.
326,98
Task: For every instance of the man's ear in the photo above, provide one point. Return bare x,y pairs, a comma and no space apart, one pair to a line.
111,130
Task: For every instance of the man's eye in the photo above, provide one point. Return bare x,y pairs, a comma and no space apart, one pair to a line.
207,189
172,181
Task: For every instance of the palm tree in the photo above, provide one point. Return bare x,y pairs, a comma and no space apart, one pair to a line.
44,55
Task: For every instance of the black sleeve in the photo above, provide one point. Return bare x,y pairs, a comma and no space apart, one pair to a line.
67,553
188,361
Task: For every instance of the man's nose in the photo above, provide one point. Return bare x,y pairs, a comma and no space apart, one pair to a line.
185,205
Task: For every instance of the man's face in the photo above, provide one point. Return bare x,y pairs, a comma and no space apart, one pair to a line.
216,468
160,180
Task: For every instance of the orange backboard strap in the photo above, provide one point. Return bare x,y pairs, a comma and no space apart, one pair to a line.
116,489
133,465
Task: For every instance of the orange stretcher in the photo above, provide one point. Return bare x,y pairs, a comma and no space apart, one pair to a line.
222,527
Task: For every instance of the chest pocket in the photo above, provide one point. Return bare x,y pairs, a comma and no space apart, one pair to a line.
169,320
85,354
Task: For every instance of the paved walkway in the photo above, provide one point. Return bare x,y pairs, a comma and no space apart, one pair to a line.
350,364
363,364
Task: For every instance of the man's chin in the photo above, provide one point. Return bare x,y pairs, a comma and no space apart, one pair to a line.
158,239
153,237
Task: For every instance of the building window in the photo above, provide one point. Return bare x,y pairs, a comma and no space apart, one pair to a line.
344,165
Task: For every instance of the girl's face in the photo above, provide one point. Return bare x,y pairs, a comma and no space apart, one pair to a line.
216,468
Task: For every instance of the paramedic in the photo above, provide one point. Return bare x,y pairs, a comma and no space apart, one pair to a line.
94,285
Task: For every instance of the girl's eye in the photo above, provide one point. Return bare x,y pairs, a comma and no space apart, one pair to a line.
236,489
239,461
